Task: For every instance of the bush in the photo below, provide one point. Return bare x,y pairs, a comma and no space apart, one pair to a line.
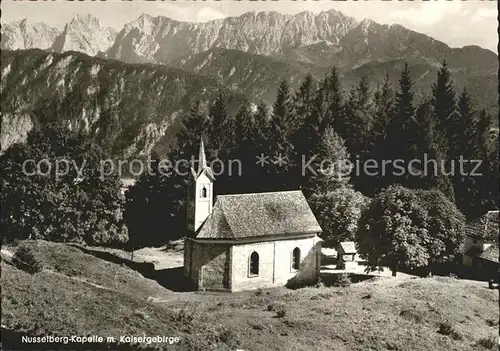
445,328
183,316
342,280
26,259
280,311
319,284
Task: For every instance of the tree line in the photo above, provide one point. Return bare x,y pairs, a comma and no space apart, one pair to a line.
321,121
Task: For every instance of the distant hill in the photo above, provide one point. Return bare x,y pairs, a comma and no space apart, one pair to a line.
258,76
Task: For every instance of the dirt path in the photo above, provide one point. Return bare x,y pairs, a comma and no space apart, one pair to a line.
6,254
81,280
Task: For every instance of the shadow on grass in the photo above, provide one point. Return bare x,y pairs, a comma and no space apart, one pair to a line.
171,278
332,279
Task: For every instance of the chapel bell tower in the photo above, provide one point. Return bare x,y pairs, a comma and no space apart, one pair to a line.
200,192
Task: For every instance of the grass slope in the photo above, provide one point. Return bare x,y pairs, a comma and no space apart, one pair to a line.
79,294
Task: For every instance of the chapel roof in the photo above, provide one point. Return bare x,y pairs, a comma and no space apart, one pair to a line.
348,247
258,215
491,253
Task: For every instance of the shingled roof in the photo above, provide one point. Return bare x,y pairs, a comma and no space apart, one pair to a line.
348,247
485,227
491,253
257,215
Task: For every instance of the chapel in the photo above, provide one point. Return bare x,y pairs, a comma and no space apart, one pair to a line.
248,241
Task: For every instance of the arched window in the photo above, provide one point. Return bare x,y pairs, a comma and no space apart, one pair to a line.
254,263
296,258
204,192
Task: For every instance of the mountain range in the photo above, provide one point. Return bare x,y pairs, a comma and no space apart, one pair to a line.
325,39
246,55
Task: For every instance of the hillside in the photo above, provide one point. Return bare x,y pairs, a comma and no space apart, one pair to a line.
126,108
95,297
256,76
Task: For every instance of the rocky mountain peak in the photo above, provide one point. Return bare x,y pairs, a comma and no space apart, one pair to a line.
25,34
85,33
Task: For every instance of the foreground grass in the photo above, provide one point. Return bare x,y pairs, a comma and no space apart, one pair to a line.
83,295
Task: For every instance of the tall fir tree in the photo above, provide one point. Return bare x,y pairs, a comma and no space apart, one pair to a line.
398,144
335,116
359,119
283,119
434,167
466,147
280,132
383,113
243,122
303,100
444,109
221,128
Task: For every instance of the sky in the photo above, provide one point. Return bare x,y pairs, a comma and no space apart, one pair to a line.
456,23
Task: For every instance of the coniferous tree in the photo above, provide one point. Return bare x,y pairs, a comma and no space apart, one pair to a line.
444,109
193,127
282,118
243,122
466,147
303,100
383,112
335,116
306,137
399,134
221,128
253,176
383,105
466,126
486,175
332,167
359,113
279,132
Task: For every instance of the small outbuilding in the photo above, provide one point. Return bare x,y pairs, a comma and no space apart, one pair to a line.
329,256
248,241
347,255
